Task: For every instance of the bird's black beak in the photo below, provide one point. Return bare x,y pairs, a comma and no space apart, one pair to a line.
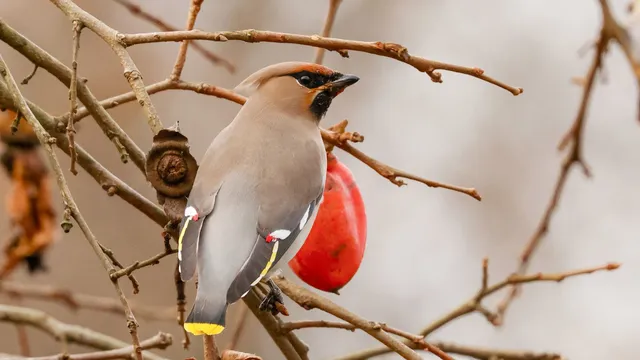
338,85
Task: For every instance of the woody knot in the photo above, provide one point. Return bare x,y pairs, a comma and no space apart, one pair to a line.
171,170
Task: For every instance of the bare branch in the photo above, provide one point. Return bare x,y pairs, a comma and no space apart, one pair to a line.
159,341
73,96
390,173
306,324
272,325
44,60
64,332
70,204
160,24
236,355
390,50
574,157
181,301
26,80
116,263
108,181
310,300
194,9
210,348
200,88
474,304
418,341
23,341
154,260
239,328
492,354
78,301
113,39
328,24
474,352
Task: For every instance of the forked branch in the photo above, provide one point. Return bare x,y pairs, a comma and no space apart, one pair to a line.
390,50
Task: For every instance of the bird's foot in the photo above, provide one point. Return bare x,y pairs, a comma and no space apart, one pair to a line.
273,301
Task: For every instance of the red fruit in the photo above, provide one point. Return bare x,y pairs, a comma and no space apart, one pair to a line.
333,252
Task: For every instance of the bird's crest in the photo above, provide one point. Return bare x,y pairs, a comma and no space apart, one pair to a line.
249,85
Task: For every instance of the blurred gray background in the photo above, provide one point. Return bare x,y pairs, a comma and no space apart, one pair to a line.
425,246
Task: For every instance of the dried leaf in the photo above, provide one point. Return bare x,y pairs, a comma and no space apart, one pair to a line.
237,355
29,208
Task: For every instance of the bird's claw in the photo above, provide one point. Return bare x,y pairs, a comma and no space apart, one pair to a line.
273,301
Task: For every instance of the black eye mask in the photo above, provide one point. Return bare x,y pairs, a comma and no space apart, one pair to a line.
314,80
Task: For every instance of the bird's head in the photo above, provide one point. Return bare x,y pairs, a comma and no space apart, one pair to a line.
301,87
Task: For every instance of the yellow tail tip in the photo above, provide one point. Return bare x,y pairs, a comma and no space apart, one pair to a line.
203,328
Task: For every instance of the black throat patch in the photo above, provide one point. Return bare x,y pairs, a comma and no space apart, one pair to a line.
313,80
321,104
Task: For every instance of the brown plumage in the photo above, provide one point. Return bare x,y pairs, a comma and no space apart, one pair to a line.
258,186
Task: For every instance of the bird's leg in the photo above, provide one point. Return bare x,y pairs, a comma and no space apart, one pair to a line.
273,296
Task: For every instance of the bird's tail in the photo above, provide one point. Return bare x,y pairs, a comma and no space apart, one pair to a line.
208,314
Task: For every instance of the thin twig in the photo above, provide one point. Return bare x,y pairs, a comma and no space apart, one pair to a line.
418,341
43,59
307,324
272,325
239,328
210,348
181,302
474,304
136,10
26,80
237,355
479,353
619,33
73,96
390,173
23,340
110,183
390,50
159,341
65,332
574,137
309,300
194,9
46,142
328,24
15,124
154,260
168,84
78,301
113,39
112,257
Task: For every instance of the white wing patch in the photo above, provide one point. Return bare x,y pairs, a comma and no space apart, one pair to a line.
277,235
281,234
305,217
190,211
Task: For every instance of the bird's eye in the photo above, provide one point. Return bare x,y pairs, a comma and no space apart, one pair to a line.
305,80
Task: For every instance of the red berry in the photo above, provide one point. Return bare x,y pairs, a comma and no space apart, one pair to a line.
333,252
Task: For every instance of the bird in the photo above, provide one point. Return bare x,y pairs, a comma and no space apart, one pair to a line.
257,189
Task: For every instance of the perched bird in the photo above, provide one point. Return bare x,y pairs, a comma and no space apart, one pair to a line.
257,189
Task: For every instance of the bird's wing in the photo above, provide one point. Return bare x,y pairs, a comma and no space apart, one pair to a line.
197,209
275,233
209,179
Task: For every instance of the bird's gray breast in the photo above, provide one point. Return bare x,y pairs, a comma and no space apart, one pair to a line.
292,173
